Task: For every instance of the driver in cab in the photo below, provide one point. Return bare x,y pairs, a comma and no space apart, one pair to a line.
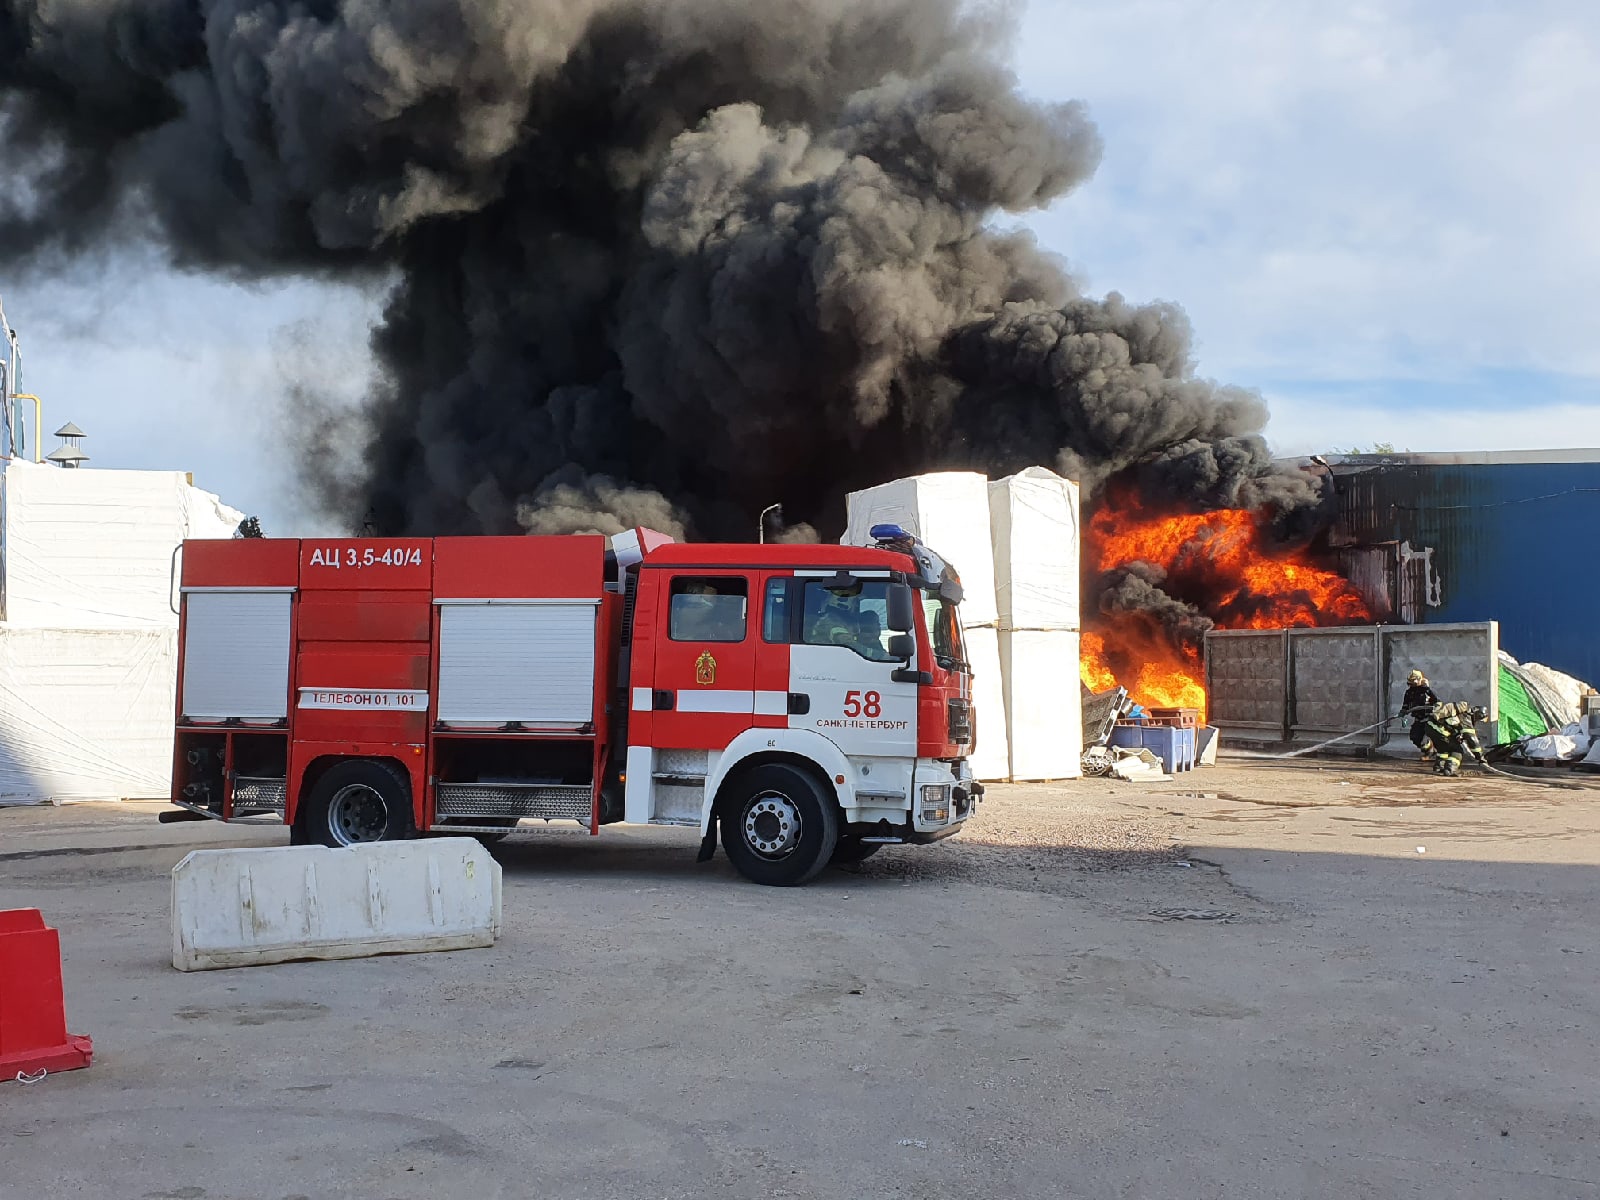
842,622
701,613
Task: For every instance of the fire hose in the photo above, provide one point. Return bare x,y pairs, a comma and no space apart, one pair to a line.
1340,738
1487,766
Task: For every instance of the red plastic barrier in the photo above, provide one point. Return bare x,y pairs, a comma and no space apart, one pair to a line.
33,1015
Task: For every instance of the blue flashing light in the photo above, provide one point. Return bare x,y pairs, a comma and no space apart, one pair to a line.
887,533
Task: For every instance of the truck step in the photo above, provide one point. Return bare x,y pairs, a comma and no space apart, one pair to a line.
551,802
259,794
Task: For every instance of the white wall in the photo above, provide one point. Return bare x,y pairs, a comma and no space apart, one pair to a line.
88,643
90,549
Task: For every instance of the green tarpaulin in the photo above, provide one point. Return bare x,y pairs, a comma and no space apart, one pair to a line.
1518,717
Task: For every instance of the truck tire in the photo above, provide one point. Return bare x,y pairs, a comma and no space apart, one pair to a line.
853,850
779,825
361,800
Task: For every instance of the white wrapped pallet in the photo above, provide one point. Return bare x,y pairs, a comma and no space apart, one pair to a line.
86,714
989,760
1043,704
949,512
92,549
1034,523
88,635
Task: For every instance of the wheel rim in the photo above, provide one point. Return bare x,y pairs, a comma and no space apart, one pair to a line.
772,825
357,813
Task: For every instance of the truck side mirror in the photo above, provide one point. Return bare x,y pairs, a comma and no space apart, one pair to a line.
902,611
902,647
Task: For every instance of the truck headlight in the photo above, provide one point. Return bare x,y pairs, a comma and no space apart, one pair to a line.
935,803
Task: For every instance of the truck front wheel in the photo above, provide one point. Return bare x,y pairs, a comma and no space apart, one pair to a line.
779,825
362,800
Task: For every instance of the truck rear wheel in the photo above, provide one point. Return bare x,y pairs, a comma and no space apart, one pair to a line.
779,825
362,800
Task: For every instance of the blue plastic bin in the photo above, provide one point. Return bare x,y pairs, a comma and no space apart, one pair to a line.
1187,754
1174,747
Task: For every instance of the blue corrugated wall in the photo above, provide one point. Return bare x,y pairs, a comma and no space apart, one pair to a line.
1517,543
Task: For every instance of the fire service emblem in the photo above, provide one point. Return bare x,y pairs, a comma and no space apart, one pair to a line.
705,669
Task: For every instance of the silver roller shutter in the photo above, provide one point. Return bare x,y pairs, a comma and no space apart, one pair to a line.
527,662
236,655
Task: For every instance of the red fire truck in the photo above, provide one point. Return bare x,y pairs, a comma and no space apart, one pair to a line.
810,702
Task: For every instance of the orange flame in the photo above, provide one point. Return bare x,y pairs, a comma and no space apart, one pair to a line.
1097,676
1157,676
1220,563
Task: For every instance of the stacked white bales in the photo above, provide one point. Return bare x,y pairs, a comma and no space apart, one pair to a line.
88,636
1034,521
949,512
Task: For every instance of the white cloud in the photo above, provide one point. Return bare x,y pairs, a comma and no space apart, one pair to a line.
1305,427
1340,191
175,372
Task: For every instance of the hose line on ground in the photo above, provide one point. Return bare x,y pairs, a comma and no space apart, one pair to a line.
1487,766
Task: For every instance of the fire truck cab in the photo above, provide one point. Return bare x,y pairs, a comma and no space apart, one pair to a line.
807,704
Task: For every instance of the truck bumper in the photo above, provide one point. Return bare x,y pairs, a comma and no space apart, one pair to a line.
942,799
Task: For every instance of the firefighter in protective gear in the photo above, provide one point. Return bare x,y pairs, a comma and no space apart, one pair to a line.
1450,729
1467,737
1418,704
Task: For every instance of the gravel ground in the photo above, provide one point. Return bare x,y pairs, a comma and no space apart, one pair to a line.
1258,980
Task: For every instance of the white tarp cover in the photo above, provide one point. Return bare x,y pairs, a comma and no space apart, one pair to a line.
1571,743
86,714
1570,690
1034,523
92,549
949,511
88,659
1043,703
990,762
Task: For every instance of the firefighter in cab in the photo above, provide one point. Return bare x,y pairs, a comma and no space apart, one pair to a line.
843,621
703,614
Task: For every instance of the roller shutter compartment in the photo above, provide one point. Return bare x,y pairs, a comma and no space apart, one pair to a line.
236,655
531,663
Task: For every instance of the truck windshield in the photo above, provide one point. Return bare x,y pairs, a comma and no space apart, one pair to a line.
944,629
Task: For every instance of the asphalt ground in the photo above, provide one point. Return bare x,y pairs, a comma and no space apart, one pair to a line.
1256,980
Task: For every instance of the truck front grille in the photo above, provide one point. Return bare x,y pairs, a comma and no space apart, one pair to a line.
961,722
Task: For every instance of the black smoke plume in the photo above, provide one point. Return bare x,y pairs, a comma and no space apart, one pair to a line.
661,261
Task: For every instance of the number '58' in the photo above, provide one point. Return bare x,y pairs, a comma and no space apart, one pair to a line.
858,705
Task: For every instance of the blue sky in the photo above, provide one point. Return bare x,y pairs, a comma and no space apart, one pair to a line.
1384,216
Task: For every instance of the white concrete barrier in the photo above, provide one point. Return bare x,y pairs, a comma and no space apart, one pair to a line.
237,908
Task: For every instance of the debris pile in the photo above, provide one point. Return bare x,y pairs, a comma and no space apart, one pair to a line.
1124,739
1547,718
